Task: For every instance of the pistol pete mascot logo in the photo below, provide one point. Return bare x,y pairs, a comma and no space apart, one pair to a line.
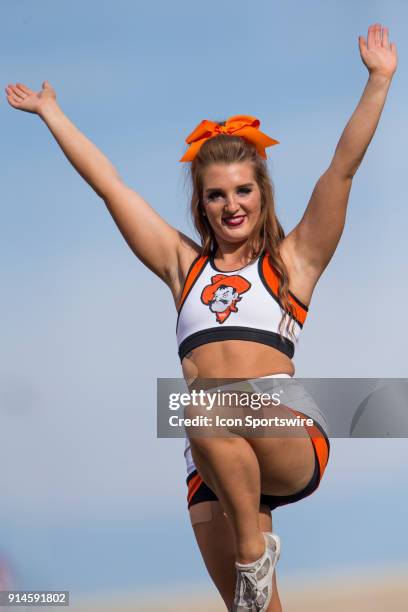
223,294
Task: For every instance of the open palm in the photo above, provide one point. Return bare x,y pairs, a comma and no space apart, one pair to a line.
23,98
377,53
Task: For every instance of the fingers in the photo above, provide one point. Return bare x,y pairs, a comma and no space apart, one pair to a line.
15,93
362,44
374,35
23,88
20,91
378,36
370,37
12,97
385,40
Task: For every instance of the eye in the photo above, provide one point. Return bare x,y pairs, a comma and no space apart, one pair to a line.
216,194
213,195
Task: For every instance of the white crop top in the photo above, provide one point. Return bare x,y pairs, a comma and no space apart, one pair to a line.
235,305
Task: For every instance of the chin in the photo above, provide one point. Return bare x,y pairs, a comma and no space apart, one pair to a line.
236,237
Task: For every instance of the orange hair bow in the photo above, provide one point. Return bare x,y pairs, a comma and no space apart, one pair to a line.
238,125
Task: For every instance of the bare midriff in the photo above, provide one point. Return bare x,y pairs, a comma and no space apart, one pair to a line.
235,359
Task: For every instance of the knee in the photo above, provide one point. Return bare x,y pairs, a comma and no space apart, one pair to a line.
201,446
215,445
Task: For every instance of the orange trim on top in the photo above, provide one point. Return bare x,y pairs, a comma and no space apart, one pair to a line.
272,279
191,277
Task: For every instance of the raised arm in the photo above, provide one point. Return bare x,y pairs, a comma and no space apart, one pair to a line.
312,243
151,238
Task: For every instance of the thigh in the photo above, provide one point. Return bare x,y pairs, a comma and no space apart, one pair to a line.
286,464
285,453
215,540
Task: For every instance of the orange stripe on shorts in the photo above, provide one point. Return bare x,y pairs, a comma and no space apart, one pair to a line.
193,486
318,441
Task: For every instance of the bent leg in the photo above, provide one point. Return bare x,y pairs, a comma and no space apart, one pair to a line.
286,464
214,536
230,468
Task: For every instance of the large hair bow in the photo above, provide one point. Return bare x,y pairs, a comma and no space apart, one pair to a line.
238,125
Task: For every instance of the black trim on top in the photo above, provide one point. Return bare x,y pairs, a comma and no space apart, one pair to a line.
298,301
269,290
233,332
192,284
212,263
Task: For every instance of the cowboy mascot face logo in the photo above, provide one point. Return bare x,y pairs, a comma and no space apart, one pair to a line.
223,294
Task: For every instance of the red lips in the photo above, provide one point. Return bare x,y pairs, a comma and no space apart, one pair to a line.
234,221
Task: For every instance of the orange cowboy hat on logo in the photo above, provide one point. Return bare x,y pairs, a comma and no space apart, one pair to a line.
235,281
239,125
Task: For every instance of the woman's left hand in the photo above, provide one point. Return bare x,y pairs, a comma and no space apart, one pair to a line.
377,54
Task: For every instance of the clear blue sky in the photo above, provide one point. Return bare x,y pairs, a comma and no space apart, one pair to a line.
80,358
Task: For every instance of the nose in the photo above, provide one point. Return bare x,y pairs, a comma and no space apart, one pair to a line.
231,206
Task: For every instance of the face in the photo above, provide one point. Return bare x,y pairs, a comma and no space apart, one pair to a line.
232,200
223,298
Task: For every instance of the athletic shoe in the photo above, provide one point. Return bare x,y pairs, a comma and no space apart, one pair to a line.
253,590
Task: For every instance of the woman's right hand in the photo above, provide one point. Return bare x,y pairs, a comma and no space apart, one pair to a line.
23,98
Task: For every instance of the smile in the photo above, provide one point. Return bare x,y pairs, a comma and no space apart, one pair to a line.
234,221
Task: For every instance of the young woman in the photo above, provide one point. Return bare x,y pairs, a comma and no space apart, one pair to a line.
242,297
